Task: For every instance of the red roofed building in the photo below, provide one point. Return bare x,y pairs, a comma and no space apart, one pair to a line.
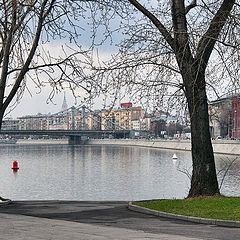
126,105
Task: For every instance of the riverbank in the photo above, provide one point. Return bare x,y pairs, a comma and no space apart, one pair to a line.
228,147
42,141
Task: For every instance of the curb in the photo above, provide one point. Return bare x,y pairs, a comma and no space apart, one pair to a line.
222,223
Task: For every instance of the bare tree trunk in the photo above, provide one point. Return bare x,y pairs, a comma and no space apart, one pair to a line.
204,179
1,118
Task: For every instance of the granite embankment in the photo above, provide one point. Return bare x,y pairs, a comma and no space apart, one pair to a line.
42,141
219,146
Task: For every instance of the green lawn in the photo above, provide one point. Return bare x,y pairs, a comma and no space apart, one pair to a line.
224,208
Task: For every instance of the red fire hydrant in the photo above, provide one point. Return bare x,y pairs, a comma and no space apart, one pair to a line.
15,165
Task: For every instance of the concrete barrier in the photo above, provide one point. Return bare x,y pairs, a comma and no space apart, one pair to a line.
219,147
227,147
42,141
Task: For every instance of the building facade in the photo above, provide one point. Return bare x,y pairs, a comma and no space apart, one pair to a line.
125,117
224,117
10,124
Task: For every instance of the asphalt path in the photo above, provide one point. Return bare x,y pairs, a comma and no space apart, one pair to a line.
116,214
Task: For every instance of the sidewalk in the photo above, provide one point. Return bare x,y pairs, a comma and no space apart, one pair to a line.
93,220
19,227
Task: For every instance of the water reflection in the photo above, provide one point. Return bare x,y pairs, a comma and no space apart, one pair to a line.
99,173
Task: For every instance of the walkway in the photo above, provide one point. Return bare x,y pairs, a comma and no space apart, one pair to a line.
63,220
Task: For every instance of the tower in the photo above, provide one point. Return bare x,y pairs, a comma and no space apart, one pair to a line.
64,104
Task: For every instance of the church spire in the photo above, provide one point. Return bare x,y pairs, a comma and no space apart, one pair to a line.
64,104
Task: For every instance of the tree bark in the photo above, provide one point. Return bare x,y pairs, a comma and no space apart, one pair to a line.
1,117
204,178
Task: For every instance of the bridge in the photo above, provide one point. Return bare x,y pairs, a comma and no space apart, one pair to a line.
75,123
74,118
74,136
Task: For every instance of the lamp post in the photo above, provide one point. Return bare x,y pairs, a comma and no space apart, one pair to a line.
235,124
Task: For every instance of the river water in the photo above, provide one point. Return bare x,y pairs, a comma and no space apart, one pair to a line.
102,173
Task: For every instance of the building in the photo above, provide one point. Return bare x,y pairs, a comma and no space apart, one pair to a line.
93,120
126,105
64,104
58,122
125,117
33,122
10,124
221,118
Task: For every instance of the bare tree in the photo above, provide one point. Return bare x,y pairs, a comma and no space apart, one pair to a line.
28,30
228,164
181,48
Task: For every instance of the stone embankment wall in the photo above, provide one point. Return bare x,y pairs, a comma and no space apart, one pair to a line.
42,141
219,146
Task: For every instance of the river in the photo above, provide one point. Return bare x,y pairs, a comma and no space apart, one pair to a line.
100,173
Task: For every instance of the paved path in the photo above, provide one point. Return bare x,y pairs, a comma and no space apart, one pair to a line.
63,220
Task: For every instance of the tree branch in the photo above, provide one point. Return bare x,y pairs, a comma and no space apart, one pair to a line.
181,36
6,51
30,56
208,40
155,21
193,4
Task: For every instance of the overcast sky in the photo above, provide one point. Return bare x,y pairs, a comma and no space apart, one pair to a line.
33,103
37,103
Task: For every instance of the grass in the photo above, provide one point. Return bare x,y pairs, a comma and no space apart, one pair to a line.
224,208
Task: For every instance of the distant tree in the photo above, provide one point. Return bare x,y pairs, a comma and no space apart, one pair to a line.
179,48
171,129
174,128
158,127
179,127
28,29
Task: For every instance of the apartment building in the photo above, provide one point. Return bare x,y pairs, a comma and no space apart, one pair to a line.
124,117
10,124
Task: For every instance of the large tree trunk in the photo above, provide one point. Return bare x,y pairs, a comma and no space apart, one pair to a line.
204,178
1,117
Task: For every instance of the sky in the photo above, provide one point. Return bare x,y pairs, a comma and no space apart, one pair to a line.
34,102
37,103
